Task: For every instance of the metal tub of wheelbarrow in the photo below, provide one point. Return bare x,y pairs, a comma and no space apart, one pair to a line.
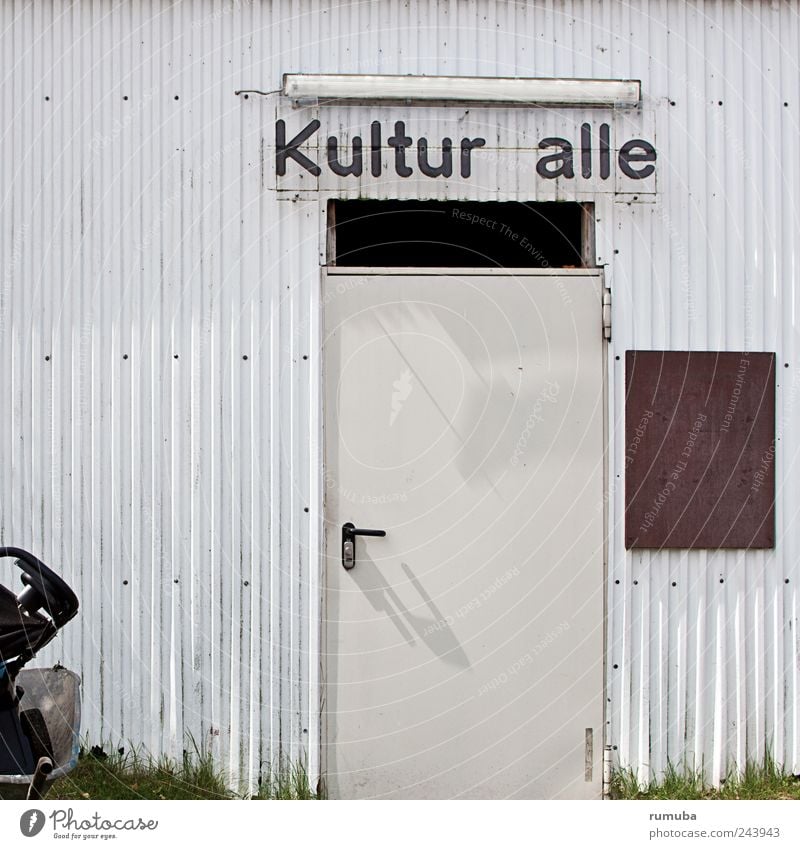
56,694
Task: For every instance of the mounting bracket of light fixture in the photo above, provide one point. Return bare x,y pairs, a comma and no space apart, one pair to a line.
520,91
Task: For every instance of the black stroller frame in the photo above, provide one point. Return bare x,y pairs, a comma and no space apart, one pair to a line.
30,724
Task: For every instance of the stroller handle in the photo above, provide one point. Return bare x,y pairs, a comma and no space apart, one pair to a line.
48,589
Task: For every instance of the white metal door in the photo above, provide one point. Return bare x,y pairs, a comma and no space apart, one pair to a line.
463,653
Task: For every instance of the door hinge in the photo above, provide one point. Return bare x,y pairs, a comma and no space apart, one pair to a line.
607,314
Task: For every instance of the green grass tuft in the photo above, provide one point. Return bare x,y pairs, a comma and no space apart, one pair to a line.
287,781
766,780
134,774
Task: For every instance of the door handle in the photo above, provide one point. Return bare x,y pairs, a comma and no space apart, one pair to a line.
349,534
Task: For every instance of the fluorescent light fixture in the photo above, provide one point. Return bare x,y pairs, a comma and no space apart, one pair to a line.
516,90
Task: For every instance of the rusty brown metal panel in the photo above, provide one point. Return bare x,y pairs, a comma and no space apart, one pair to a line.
699,449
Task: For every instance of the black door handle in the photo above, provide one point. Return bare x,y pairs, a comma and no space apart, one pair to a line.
349,534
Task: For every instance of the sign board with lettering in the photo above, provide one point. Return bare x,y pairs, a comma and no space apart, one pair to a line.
449,152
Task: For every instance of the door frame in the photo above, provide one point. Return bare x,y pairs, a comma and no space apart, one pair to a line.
319,530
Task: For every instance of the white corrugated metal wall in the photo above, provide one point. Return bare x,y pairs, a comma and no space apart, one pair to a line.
160,440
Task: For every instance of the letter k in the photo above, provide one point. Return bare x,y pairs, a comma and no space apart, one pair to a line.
289,150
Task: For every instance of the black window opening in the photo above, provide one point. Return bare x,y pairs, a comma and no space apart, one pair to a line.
401,233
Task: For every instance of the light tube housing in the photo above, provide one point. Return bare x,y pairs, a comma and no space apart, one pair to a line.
506,90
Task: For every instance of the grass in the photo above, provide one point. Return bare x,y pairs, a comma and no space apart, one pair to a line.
136,775
756,781
290,782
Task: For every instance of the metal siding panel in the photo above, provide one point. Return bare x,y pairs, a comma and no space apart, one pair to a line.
129,227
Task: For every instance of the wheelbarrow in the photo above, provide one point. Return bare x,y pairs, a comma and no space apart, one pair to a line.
39,708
